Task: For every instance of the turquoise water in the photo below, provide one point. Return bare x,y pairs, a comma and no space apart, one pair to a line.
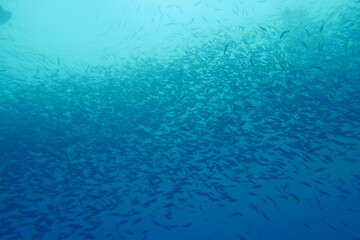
172,120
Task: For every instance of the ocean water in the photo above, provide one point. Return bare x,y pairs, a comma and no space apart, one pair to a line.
179,120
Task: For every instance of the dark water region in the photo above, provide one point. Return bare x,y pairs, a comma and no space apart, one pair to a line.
4,16
252,133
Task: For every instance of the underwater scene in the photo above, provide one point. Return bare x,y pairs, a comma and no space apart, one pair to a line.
180,119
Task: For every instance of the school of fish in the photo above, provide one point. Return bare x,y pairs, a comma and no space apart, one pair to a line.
247,136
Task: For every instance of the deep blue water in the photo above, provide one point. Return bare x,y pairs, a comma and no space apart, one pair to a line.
174,120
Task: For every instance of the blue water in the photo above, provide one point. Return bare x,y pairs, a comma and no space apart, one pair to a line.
174,120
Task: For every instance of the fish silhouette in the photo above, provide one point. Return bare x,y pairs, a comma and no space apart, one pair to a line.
4,16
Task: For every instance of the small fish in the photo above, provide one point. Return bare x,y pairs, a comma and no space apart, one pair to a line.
130,232
226,47
262,28
137,221
319,68
182,97
192,20
320,169
156,223
294,196
306,184
282,67
323,192
304,45
240,237
187,225
307,226
251,60
342,190
122,222
321,27
283,33
330,226
320,46
265,216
